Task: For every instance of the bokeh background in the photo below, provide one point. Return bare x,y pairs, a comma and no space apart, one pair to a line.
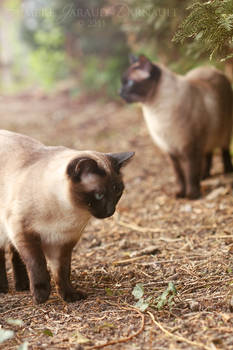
83,45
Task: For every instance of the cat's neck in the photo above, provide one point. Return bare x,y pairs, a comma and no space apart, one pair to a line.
170,90
60,220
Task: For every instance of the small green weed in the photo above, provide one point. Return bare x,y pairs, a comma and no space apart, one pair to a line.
166,298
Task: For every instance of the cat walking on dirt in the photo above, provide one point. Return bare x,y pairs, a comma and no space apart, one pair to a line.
48,194
187,116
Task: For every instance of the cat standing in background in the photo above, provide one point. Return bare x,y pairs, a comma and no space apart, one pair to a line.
187,116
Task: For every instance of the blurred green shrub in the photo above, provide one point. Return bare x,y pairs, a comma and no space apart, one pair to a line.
99,74
75,41
48,60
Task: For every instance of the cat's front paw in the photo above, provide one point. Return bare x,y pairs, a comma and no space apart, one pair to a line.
70,295
180,194
195,194
41,292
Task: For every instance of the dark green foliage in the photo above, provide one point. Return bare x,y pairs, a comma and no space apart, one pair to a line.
210,24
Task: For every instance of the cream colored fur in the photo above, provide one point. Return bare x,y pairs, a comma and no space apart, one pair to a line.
188,107
34,191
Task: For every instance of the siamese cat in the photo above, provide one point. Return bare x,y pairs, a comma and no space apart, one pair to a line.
187,116
48,194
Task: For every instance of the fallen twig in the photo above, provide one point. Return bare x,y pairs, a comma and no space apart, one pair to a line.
128,261
178,337
138,228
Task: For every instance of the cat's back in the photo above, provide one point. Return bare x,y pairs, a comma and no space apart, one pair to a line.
216,91
20,151
14,144
204,73
209,77
25,162
29,171
213,88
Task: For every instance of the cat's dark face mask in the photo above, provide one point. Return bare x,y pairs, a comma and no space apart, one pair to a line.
94,188
140,79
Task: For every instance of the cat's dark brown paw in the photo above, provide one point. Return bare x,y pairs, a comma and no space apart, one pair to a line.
72,295
41,292
194,195
180,194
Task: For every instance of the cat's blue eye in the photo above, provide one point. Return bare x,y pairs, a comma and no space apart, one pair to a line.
99,196
130,83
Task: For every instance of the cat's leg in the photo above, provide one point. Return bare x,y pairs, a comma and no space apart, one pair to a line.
207,165
19,269
192,165
59,257
226,157
3,275
30,249
179,176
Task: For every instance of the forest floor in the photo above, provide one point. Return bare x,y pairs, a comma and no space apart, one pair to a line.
152,239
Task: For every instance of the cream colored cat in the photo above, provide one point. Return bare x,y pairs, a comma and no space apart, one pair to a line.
48,194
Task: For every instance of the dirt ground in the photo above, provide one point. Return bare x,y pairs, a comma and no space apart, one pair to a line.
152,239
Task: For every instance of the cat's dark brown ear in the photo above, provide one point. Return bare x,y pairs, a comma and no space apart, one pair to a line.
145,63
79,167
132,58
120,159
149,67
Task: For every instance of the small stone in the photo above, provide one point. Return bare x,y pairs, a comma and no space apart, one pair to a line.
95,243
222,206
187,208
124,244
194,305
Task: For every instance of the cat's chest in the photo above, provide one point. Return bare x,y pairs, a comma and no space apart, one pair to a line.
62,228
161,127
